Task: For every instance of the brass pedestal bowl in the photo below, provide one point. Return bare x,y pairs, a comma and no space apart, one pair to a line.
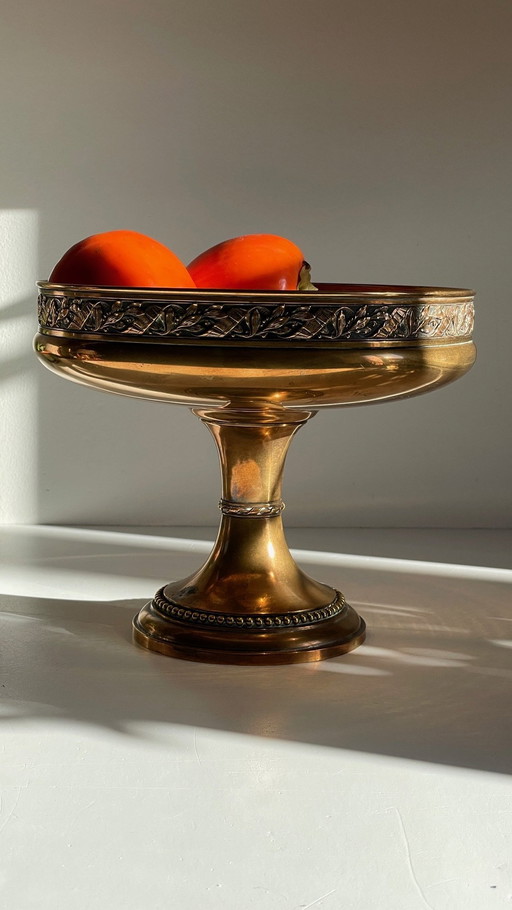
254,367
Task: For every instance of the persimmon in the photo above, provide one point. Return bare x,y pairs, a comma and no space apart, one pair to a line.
252,262
121,259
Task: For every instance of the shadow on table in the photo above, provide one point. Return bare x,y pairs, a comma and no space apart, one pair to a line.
433,682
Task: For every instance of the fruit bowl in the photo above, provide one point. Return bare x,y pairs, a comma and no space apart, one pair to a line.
254,366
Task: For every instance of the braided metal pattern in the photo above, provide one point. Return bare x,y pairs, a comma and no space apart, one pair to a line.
256,622
251,510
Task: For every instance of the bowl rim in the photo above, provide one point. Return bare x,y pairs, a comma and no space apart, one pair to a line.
327,292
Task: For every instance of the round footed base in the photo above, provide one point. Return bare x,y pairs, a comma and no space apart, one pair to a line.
290,644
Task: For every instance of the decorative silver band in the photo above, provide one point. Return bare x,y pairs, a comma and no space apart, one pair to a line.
251,509
254,621
351,321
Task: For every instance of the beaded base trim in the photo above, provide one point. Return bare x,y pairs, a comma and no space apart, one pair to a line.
254,621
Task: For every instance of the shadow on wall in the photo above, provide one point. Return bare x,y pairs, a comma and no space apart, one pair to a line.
433,683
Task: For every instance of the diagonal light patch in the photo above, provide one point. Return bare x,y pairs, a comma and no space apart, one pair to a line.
18,377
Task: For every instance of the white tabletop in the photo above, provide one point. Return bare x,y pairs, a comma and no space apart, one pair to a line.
373,781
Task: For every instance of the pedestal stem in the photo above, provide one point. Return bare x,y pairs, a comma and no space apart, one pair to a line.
252,456
251,569
250,602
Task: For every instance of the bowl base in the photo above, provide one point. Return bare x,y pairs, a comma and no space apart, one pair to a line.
291,644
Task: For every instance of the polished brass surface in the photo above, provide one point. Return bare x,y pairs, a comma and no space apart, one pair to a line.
255,367
266,378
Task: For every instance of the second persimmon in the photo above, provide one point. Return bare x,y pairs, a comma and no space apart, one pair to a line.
252,262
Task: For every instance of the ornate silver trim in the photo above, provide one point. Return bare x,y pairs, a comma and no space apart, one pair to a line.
251,509
255,622
378,320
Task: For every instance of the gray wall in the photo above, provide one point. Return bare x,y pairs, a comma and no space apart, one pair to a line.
377,135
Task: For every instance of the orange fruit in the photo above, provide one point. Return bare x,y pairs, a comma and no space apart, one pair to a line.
121,259
251,262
